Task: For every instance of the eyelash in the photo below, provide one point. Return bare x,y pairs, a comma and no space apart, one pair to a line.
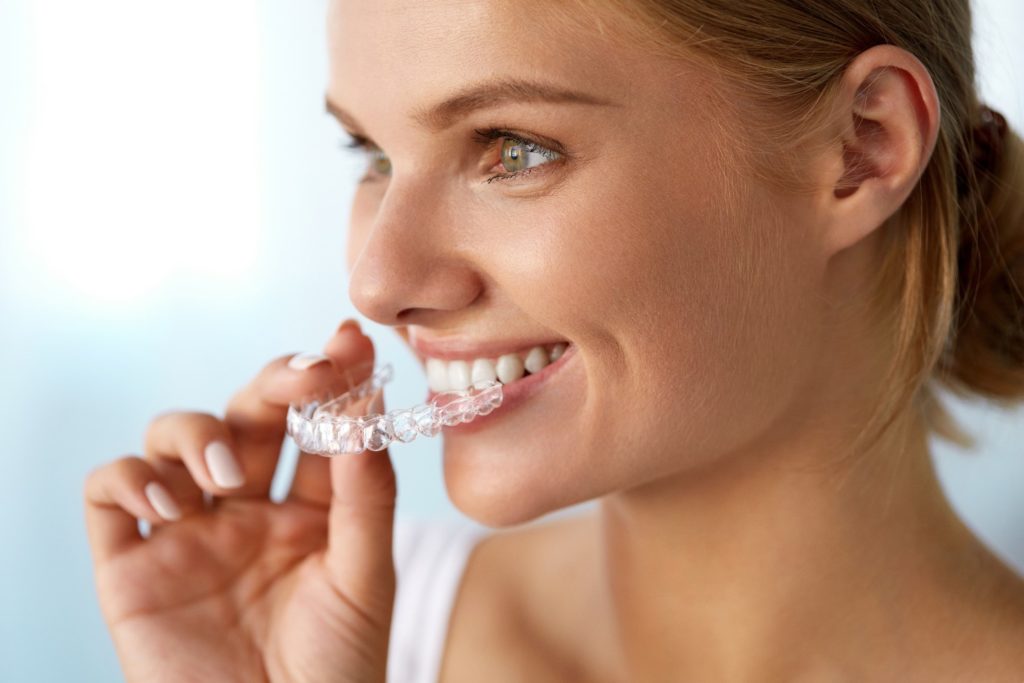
485,136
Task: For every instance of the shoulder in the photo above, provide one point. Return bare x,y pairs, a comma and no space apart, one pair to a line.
502,624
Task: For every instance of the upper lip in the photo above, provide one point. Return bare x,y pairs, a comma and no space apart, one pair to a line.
462,348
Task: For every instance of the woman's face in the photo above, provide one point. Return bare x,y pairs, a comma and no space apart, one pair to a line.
687,289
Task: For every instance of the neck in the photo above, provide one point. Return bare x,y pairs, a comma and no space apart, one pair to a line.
767,567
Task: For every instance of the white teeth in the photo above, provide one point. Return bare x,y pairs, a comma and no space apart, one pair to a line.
437,374
536,360
509,368
458,375
483,371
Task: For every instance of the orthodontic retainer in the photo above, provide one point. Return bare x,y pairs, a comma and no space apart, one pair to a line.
322,426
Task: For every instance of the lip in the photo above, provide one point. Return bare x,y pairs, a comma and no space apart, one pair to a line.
455,348
512,394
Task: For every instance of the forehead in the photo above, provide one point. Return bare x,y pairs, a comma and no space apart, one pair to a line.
403,55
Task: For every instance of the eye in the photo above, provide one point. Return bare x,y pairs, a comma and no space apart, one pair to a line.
519,155
378,161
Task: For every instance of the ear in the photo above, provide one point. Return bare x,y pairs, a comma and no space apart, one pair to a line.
888,120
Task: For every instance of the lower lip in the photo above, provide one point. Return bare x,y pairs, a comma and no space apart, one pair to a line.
511,394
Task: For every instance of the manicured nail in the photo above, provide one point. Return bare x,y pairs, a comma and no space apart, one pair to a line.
303,361
222,465
162,502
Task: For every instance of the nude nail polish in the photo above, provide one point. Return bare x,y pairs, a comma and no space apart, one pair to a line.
304,361
162,501
224,468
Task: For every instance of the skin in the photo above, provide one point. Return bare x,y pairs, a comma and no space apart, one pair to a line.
725,354
718,365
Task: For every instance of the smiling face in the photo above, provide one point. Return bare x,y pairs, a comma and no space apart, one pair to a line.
687,291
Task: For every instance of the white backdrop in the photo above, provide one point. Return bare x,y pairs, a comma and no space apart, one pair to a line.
172,215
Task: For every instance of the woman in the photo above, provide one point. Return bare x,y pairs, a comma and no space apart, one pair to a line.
762,233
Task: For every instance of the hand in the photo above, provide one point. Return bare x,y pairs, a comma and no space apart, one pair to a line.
241,588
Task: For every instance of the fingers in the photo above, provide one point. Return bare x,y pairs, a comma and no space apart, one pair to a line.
360,522
350,348
237,456
203,444
261,406
256,415
179,481
117,495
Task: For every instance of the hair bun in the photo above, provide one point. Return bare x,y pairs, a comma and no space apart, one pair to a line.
988,357
989,136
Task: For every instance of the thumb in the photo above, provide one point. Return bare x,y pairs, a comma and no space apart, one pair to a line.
361,520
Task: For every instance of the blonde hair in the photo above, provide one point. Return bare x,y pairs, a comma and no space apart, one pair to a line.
952,281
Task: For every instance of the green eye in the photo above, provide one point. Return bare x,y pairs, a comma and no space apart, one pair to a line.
380,162
516,154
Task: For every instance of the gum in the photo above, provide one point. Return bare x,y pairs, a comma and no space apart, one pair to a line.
323,425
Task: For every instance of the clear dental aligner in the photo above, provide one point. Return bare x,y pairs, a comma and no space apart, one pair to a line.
321,425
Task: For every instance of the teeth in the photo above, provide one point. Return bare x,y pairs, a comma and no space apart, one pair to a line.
437,374
509,368
458,375
536,360
483,371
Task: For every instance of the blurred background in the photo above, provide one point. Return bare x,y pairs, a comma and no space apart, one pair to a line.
173,205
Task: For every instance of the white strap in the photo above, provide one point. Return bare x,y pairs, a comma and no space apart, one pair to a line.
430,557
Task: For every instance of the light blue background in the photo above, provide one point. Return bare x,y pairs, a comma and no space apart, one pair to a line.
173,205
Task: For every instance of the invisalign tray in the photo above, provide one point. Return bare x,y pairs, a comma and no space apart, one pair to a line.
322,426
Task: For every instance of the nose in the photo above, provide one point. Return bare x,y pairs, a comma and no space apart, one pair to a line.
406,265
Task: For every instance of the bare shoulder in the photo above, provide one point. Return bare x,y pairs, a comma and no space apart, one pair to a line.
502,619
529,601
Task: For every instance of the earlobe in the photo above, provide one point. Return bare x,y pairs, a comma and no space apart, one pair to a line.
889,115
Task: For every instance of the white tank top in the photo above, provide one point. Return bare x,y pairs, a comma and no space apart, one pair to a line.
430,557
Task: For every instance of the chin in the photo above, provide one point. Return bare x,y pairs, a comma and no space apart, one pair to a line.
499,496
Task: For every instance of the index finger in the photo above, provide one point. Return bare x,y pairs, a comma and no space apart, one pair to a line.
256,415
261,406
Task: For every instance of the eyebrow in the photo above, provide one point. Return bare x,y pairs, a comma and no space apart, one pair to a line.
481,96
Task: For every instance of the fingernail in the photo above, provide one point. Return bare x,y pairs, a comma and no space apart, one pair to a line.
303,361
222,465
161,500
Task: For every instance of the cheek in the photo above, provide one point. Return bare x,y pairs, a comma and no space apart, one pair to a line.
691,310
698,315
